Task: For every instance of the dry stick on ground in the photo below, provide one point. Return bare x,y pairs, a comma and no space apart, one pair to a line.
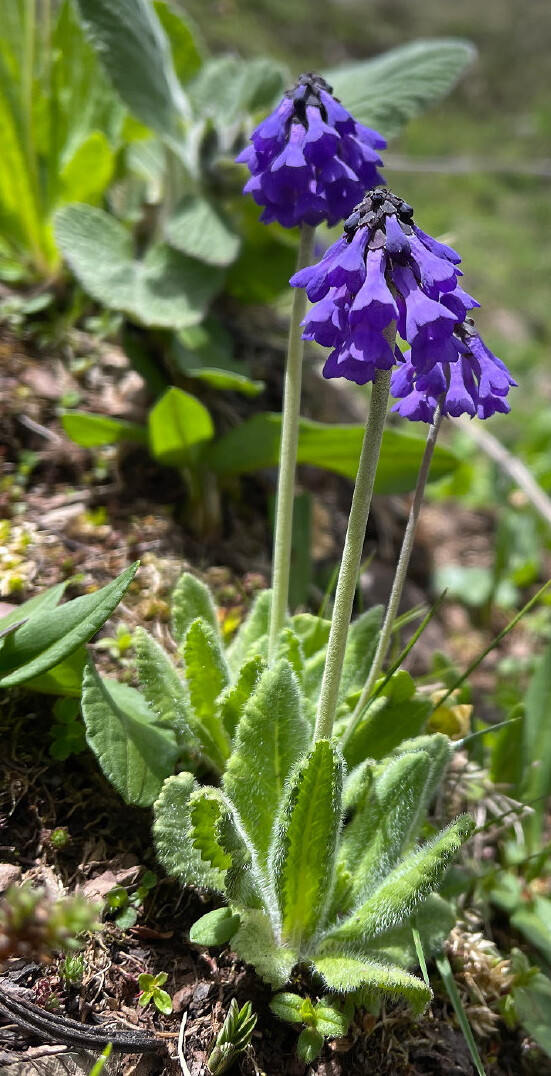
511,465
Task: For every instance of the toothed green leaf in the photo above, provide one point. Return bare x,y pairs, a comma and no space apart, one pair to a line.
218,834
381,828
233,700
434,919
252,629
439,749
172,830
289,648
162,687
271,737
404,888
255,944
207,677
191,600
133,752
309,1045
305,841
347,973
313,632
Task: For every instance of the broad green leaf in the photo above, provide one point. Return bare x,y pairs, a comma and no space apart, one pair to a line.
214,928
288,1007
133,752
207,677
382,826
163,688
439,749
91,430
532,1004
191,599
88,172
228,88
313,632
289,648
47,599
197,229
271,737
361,644
50,636
163,288
254,445
253,628
333,1019
173,838
135,52
309,1045
347,973
533,919
385,725
187,55
226,380
179,428
304,847
234,699
403,889
392,89
255,944
64,679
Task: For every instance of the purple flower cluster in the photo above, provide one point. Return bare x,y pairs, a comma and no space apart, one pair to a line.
310,161
385,270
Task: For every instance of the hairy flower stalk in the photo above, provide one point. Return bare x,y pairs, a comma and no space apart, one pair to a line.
310,160
400,575
352,555
288,452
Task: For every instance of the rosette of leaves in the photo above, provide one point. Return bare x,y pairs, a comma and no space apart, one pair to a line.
192,702
322,873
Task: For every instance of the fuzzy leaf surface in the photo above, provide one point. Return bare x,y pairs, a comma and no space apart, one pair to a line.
162,687
255,944
172,829
207,677
382,826
304,848
346,973
404,888
214,928
361,644
271,737
233,700
133,752
385,725
253,628
434,919
191,600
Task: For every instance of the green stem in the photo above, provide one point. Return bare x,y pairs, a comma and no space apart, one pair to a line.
352,554
399,577
289,444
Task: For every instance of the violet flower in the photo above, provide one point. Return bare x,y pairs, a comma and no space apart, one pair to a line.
384,269
310,160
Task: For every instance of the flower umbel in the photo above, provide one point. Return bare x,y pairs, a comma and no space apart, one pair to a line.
384,269
310,160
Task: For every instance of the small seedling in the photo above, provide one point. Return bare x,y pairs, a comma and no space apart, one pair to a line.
233,1038
150,986
72,969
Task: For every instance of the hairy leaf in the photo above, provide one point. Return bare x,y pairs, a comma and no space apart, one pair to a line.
255,943
173,836
361,644
133,752
393,88
207,677
135,52
347,973
404,888
197,229
187,53
191,599
271,737
233,700
252,629
304,847
434,919
163,288
384,726
163,689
